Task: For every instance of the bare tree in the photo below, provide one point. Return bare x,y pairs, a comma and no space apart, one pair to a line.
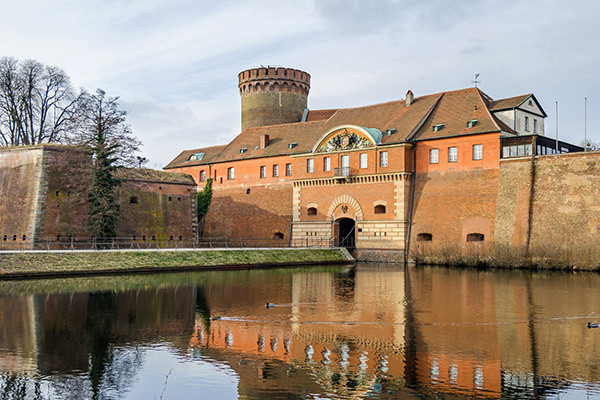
98,113
36,102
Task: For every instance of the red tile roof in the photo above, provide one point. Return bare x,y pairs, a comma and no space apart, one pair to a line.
452,109
319,115
508,103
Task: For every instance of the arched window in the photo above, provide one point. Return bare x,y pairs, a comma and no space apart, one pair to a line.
278,235
380,209
424,237
475,237
312,211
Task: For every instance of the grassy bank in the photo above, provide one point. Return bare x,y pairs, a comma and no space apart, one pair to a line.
82,263
507,257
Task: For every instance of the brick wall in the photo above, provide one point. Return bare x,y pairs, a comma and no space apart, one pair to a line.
44,196
451,205
252,211
159,210
19,185
566,201
66,186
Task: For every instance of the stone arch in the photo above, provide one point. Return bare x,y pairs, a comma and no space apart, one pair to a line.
346,199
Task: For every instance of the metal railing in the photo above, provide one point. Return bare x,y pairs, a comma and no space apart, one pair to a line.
342,171
136,243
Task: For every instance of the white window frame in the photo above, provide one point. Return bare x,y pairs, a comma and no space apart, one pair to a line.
203,175
310,165
231,173
477,152
263,171
288,169
346,161
327,164
383,159
434,156
275,170
452,154
364,160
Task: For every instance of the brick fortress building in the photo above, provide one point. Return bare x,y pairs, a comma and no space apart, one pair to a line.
421,170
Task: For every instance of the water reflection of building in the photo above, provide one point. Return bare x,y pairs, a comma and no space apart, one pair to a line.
343,332
65,334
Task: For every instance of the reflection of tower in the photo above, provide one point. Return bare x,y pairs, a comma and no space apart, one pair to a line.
273,96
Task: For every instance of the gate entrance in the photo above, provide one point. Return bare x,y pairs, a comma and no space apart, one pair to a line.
345,232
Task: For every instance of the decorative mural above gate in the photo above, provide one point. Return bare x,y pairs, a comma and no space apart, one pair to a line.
348,138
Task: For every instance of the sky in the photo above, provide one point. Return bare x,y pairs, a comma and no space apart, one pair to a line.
174,63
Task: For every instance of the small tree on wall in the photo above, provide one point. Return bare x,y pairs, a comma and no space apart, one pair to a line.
203,200
102,118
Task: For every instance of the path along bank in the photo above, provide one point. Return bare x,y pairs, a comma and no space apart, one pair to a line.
45,264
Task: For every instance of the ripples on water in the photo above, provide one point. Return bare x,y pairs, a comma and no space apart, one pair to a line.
374,331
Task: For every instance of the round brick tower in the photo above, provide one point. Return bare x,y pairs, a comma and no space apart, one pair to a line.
272,96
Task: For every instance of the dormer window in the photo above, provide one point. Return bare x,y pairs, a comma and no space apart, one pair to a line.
471,123
292,145
243,150
196,157
437,127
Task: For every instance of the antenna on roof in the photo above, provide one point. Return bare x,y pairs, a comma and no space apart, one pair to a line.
476,80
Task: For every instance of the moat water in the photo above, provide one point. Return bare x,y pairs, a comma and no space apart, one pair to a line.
375,331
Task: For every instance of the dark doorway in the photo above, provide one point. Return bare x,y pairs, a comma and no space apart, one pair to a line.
345,237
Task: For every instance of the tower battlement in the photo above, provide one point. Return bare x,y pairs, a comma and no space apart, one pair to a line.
274,79
273,96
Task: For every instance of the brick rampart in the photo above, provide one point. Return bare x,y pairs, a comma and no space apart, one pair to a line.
565,204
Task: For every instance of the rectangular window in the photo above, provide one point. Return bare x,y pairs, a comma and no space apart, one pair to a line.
345,161
263,171
452,154
505,151
527,124
230,173
288,169
363,160
276,170
477,152
535,126
521,150
310,165
383,159
327,164
202,176
433,156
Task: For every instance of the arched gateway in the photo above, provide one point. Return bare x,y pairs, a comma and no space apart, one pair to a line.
345,232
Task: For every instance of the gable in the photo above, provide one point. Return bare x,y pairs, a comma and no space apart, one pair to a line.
347,137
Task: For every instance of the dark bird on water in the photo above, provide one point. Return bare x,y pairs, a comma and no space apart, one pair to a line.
593,325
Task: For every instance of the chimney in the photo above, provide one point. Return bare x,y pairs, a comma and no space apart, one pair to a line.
409,98
264,141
